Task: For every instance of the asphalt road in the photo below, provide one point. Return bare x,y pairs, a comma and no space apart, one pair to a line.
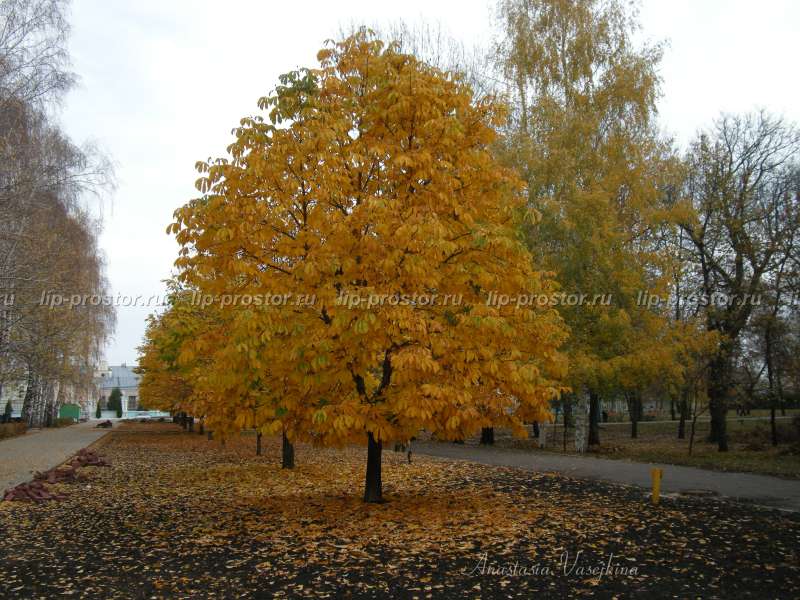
40,450
744,487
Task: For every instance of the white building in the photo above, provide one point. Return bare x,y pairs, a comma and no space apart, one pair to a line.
122,377
13,391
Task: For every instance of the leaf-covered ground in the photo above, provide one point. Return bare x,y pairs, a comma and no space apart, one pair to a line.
179,516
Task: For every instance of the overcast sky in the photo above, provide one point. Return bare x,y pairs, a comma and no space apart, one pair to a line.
163,83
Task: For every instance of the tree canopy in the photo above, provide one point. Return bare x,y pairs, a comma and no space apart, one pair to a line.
370,188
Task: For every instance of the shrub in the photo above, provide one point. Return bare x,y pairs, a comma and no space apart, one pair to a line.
115,401
8,430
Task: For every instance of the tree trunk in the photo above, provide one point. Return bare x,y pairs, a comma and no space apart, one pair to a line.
487,436
568,413
373,490
635,413
210,435
718,390
258,444
635,421
773,427
781,401
201,428
713,427
719,426
49,405
773,398
683,409
691,435
672,409
287,453
33,410
567,420
594,419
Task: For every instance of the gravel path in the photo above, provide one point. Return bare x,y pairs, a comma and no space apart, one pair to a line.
757,489
41,450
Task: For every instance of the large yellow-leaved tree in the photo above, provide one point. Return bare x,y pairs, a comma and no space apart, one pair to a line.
368,199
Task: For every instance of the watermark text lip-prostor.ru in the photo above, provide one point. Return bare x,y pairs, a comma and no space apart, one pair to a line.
717,299
348,299
553,299
56,300
355,299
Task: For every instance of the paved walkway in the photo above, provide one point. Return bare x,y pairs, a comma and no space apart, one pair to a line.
757,489
41,450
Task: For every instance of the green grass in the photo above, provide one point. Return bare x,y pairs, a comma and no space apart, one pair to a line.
749,441
764,412
767,462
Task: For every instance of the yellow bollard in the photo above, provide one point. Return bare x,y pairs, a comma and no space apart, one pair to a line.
656,475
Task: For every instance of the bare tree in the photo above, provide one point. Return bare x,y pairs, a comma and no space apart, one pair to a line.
48,238
743,188
34,62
